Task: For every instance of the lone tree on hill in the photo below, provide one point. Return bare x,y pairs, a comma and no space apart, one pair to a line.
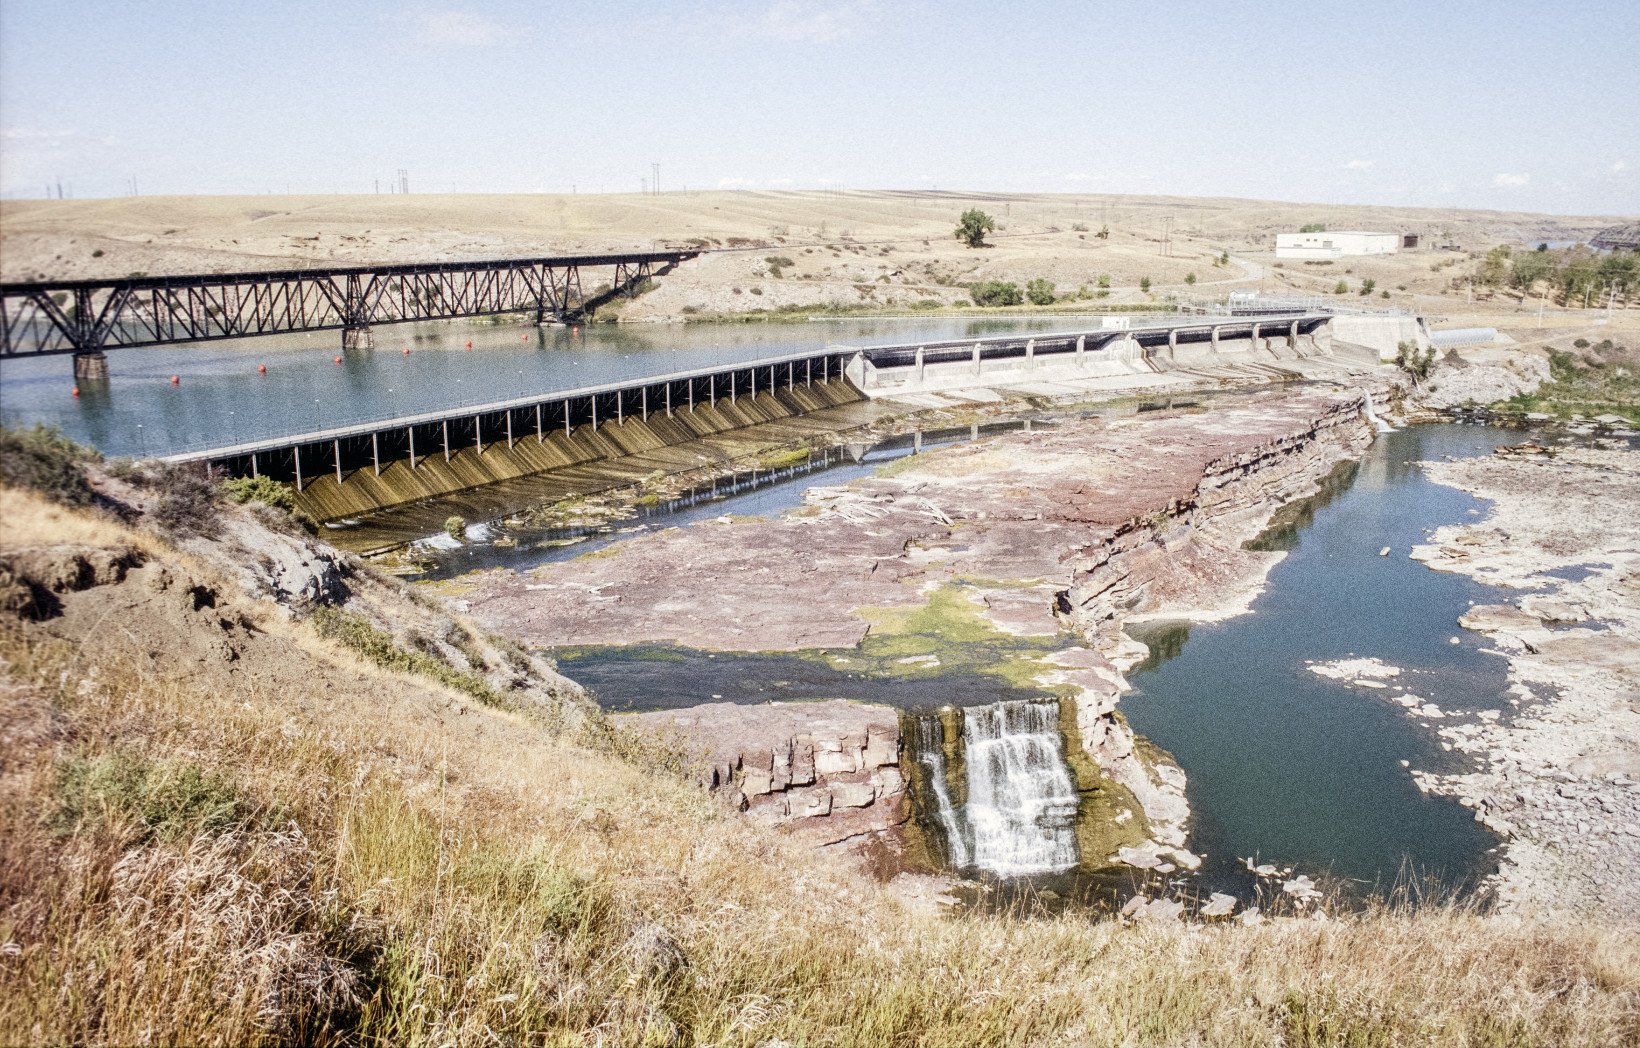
973,226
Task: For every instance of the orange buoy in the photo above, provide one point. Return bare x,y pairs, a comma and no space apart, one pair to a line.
175,381
76,391
338,360
406,350
261,369
469,343
523,338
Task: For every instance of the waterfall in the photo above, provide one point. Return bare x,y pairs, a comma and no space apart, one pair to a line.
1372,416
931,755
1022,802
1020,813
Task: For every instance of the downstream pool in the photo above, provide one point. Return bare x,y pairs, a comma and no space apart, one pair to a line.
1295,768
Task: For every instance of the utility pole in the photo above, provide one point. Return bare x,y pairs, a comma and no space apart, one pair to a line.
655,178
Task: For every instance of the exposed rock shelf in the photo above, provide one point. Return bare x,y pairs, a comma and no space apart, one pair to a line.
1088,522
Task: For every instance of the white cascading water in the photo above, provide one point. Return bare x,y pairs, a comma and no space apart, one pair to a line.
1372,416
1022,801
931,755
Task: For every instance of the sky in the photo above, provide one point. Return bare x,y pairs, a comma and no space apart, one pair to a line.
1509,105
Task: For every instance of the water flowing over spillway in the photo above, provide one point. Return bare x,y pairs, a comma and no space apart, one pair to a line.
1019,817
930,739
1377,423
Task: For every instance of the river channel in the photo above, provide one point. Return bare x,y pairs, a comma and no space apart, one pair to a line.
1284,765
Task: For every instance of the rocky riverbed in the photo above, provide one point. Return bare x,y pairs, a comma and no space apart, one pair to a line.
1558,774
1073,526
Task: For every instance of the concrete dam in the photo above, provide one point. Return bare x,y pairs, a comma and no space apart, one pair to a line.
357,470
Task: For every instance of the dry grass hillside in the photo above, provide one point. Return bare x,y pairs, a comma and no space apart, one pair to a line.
853,249
240,809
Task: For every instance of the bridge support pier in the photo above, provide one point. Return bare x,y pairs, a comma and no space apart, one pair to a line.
90,366
358,337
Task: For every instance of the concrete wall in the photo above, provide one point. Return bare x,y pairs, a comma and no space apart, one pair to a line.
1381,334
1119,364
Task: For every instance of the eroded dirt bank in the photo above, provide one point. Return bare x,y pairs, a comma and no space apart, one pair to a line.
1559,773
1076,525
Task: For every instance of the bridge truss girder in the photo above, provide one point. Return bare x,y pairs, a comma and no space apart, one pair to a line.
90,316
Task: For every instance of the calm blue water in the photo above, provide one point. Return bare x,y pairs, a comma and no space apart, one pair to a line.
221,398
1299,769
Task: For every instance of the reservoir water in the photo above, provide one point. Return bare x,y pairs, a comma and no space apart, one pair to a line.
221,398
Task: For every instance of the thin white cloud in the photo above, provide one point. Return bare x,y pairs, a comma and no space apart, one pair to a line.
33,134
1357,165
453,28
1506,181
812,21
736,183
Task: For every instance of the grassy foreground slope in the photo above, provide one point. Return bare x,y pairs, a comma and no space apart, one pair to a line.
218,825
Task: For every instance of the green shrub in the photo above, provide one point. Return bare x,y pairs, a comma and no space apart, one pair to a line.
43,460
1367,286
455,527
1341,288
1190,278
357,633
995,293
261,489
163,799
1144,284
1040,292
1312,227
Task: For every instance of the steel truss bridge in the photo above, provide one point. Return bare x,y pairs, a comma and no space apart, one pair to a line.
86,317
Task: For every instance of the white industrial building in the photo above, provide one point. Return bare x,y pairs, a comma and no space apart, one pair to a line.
1336,245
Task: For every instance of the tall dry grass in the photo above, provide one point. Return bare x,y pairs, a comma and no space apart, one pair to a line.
465,879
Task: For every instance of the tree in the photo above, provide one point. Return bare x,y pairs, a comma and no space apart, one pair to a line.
1040,292
1494,269
973,226
1313,227
1144,284
1190,278
1367,285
